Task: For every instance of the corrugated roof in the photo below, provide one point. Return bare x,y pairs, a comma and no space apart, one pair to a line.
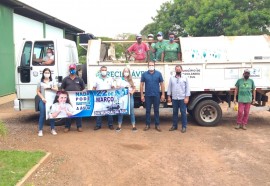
32,13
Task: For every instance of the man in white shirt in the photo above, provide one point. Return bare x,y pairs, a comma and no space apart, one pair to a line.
103,82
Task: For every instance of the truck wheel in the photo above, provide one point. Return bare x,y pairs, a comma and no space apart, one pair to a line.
84,73
207,113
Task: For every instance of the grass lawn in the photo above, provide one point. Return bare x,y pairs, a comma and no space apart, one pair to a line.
15,164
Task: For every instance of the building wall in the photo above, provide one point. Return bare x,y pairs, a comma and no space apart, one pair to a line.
7,70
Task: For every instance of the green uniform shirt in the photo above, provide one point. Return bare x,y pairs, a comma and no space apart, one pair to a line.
151,54
245,88
159,47
171,52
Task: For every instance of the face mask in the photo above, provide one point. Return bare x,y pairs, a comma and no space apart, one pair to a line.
47,75
103,73
73,71
178,73
151,68
159,38
246,77
49,54
126,74
171,39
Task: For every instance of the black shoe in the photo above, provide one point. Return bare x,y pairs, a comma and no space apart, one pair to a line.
134,129
183,130
118,129
173,128
158,128
97,128
111,127
146,128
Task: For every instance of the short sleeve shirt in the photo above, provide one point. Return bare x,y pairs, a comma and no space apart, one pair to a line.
139,50
75,84
159,47
63,107
103,83
42,86
171,52
152,83
245,88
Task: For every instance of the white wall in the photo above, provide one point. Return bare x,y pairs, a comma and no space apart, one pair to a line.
30,29
53,32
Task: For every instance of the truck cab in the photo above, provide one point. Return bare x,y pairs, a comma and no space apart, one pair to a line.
29,71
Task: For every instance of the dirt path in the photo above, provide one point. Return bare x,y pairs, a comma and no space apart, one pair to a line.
203,156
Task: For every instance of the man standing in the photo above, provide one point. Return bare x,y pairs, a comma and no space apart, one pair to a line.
151,45
244,88
73,83
159,46
140,50
153,80
179,90
103,83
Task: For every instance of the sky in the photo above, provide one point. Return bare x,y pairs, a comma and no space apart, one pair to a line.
101,17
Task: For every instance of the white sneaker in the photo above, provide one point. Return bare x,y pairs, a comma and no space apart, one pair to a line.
40,133
53,132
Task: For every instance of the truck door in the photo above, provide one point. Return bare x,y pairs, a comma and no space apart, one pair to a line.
31,67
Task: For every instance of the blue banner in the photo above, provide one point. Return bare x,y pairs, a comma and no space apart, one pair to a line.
62,104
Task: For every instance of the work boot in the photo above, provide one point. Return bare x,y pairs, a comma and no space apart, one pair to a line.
146,128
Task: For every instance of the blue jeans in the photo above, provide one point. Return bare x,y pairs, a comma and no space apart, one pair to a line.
42,114
149,100
78,122
183,108
99,120
132,115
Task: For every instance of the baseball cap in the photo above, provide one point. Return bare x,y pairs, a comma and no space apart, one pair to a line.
72,66
160,34
150,35
138,36
246,71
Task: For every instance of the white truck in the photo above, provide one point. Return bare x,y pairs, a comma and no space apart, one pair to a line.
212,64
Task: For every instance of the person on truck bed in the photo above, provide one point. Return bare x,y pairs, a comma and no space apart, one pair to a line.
47,60
159,46
103,82
178,93
171,50
122,82
244,88
73,83
152,80
45,83
139,50
151,45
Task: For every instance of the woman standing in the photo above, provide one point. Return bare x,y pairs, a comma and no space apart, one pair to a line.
126,81
45,83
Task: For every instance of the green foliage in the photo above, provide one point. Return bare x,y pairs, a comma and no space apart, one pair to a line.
3,129
212,18
15,164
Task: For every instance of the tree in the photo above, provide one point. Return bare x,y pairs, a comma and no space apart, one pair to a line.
212,17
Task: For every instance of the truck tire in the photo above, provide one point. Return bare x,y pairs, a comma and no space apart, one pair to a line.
207,113
84,73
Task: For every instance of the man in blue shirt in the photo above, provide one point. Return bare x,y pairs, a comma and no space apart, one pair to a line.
179,90
152,79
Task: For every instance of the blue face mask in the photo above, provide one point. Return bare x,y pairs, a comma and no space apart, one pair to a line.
72,71
171,39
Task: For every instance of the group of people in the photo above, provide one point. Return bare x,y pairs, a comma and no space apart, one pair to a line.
151,81
160,51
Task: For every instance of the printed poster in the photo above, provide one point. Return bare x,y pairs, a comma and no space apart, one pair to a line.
70,104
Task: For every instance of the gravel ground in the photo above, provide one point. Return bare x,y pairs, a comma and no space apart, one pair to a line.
217,155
